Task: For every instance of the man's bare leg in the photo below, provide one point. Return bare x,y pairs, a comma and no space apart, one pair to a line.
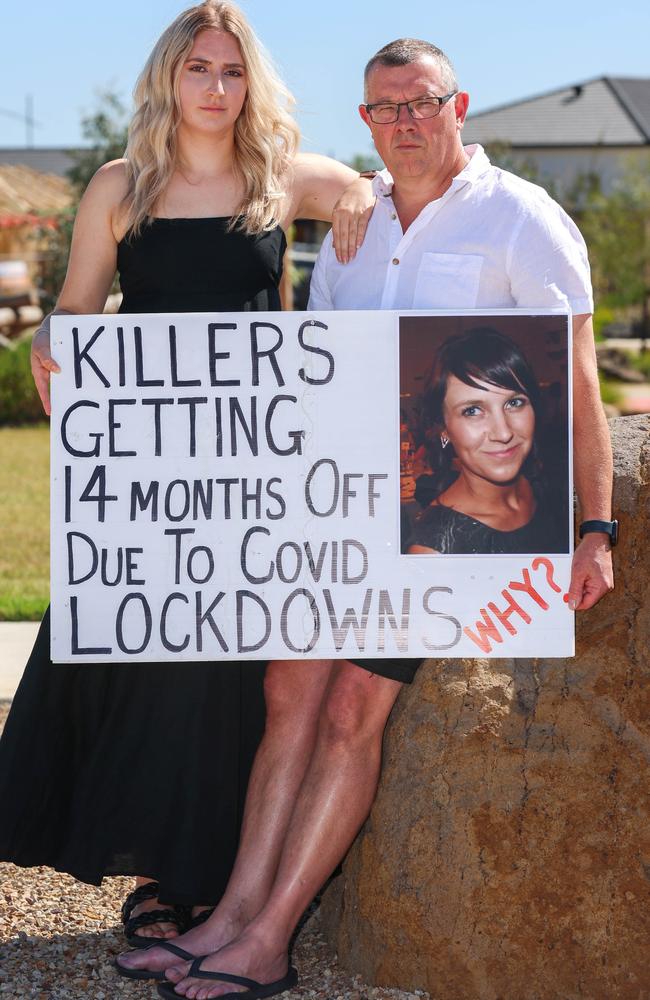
334,800
294,691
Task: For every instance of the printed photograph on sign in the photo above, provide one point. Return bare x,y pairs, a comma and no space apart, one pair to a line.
484,435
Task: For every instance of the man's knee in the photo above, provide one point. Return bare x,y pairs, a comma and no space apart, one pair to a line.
294,688
357,707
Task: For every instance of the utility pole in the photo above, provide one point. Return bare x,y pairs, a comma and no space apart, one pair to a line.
29,120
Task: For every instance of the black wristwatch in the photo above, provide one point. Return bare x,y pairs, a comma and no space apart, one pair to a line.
605,527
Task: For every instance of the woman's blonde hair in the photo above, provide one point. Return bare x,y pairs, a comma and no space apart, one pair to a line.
266,136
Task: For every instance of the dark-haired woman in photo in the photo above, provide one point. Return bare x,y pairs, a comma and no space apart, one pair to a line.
489,491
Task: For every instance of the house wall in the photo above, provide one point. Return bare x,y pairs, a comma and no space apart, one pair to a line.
564,166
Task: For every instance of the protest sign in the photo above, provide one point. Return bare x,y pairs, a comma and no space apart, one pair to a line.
252,485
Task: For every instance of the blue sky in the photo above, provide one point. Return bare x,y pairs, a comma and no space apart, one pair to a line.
64,52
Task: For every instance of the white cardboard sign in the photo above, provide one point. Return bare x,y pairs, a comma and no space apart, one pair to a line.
227,486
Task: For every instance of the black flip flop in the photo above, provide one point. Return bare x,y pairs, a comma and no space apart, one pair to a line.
169,946
167,915
200,918
255,991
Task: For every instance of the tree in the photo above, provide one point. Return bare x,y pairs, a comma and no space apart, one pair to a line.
501,154
54,249
106,131
366,161
615,227
617,232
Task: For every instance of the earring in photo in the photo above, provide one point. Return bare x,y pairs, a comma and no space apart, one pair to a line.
444,440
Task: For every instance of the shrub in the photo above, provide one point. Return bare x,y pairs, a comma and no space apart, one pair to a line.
610,392
54,247
603,316
19,401
641,362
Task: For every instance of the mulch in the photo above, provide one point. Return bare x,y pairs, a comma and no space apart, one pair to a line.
58,938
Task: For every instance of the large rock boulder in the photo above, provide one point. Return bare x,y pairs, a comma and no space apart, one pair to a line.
507,856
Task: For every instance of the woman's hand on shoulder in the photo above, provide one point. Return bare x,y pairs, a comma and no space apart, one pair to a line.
325,189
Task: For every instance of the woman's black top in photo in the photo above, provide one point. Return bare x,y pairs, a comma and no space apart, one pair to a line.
450,532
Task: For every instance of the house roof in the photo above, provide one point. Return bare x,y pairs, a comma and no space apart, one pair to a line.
47,160
25,192
634,95
607,111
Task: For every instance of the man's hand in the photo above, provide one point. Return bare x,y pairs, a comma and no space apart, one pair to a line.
592,575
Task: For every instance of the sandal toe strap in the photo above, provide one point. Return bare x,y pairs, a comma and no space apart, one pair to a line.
149,890
166,916
174,949
223,977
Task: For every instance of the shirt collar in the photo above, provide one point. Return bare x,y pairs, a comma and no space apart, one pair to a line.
477,165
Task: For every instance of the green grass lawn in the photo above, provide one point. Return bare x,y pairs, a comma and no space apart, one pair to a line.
24,522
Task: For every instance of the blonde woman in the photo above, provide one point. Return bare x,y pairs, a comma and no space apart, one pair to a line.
142,769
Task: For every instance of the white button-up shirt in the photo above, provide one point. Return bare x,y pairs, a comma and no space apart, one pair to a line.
492,240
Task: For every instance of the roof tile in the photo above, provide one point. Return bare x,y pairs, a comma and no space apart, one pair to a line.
600,112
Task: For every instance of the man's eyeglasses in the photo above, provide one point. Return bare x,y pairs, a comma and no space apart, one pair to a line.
423,107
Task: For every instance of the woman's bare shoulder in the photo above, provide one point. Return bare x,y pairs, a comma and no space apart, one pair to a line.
106,193
111,182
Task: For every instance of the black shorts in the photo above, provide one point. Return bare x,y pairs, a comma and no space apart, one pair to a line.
395,670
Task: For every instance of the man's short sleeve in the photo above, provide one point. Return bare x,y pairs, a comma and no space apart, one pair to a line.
319,292
548,263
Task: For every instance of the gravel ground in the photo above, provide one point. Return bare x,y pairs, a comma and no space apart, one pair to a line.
58,938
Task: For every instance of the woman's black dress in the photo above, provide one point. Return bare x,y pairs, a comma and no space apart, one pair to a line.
142,768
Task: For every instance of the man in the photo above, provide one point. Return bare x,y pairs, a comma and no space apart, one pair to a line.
448,230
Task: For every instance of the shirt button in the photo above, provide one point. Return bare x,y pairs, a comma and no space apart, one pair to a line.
393,216
395,260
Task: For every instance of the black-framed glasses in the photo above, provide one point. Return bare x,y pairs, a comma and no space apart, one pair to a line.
386,112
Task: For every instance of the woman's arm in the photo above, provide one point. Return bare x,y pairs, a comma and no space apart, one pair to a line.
317,186
421,550
91,266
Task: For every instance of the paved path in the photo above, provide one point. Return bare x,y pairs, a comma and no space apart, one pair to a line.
636,397
16,641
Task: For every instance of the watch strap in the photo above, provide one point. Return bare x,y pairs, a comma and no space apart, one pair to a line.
605,527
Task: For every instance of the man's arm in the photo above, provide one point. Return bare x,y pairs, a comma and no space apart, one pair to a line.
591,573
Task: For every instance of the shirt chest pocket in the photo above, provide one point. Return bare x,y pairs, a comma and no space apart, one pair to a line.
447,281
